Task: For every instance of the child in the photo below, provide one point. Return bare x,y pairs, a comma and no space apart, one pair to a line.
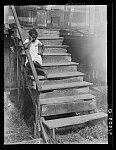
33,44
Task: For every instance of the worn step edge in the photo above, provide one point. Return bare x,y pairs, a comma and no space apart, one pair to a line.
56,46
56,123
56,54
59,75
51,54
59,64
50,38
65,85
66,99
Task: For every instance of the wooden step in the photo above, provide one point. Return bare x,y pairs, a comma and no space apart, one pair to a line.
56,54
66,99
61,67
59,75
52,41
78,106
55,50
59,64
41,33
67,104
56,57
50,38
56,46
56,123
65,85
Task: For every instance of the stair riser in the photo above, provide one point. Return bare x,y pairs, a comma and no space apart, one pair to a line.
66,80
54,58
65,92
55,50
41,33
48,33
52,42
64,108
59,69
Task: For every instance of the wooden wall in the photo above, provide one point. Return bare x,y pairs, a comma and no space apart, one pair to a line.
10,65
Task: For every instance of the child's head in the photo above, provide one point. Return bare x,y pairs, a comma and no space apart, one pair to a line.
33,33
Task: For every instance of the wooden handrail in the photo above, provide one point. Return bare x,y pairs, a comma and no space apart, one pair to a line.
26,51
38,86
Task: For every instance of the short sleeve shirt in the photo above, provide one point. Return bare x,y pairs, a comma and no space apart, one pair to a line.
33,49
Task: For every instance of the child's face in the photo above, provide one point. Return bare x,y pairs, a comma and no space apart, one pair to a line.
33,36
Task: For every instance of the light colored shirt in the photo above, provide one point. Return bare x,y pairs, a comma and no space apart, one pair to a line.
33,50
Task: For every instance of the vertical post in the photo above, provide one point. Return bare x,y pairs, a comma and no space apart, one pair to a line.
37,115
54,133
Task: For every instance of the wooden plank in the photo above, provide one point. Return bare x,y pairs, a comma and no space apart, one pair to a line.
27,52
38,86
72,106
65,85
66,99
10,66
51,54
60,75
56,123
56,46
59,64
56,54
65,92
51,38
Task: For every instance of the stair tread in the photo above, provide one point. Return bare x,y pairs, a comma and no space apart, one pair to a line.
56,46
73,120
51,54
59,64
60,75
65,99
56,54
65,85
50,38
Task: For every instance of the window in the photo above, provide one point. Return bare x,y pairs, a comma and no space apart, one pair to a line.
41,18
55,21
30,17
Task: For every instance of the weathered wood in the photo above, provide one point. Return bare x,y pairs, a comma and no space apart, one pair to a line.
65,85
70,107
56,123
51,54
10,67
60,75
66,99
65,92
38,86
59,64
56,46
44,132
52,41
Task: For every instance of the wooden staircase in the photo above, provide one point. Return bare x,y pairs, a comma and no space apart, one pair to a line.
64,92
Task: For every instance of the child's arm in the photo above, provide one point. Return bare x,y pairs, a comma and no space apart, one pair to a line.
27,44
40,48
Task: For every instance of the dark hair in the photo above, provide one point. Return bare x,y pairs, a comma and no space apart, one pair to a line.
33,31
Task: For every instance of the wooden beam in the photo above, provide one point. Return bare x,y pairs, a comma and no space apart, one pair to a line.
26,51
71,107
38,86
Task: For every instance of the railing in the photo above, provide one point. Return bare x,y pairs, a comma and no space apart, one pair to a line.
38,86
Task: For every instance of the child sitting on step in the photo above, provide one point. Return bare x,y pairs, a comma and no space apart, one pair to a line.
36,49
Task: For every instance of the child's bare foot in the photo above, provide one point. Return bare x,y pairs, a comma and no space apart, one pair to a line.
46,74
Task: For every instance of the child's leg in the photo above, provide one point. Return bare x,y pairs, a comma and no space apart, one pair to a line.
38,67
